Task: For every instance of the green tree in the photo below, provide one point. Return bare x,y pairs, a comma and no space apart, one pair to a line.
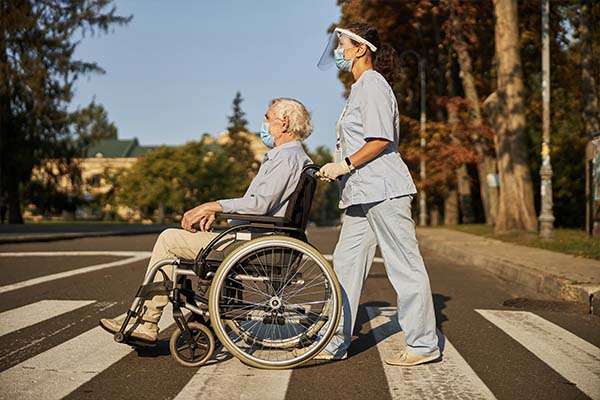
237,122
239,146
37,72
91,124
179,178
324,210
416,26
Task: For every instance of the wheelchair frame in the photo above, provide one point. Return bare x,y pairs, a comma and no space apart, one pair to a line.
206,265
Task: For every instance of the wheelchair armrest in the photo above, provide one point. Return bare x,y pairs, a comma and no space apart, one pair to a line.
253,218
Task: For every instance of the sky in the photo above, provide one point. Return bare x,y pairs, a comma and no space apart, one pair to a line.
173,71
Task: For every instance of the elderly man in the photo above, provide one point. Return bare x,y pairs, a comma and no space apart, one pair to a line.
287,124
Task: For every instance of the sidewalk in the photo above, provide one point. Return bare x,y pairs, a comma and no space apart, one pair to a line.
563,276
50,232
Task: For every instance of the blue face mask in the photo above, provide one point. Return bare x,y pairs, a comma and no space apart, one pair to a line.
266,137
341,62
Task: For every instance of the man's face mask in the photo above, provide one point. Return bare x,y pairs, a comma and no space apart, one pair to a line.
266,137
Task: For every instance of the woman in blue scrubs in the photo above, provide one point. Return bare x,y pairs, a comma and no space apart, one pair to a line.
376,191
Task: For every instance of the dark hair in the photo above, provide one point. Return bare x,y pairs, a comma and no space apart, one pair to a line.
385,59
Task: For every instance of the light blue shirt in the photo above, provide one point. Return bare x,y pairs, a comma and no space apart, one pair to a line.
372,112
271,188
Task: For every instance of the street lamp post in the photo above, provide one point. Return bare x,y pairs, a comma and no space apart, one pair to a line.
546,218
423,121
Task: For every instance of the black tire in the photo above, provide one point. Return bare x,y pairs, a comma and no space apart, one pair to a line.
196,354
271,295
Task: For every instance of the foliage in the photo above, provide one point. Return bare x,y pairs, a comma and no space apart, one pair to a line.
324,211
90,125
425,27
239,146
181,177
237,121
37,72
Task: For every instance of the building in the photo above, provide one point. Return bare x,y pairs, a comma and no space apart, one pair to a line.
108,155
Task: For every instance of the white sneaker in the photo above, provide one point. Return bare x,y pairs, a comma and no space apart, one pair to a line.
409,359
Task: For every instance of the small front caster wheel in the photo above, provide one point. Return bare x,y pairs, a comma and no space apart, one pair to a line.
119,337
196,353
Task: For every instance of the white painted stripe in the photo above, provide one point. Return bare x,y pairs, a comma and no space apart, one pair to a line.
57,372
22,317
451,378
329,257
139,255
74,253
231,379
569,355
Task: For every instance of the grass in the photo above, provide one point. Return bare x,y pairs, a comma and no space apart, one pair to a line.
569,241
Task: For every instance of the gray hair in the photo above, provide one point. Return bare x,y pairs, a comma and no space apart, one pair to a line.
298,117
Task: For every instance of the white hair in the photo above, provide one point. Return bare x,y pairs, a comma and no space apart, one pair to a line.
298,117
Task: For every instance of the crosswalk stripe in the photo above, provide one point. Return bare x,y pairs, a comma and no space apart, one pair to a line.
452,378
57,372
22,317
569,355
233,380
133,257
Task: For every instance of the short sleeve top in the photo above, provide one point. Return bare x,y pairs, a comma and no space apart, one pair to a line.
371,112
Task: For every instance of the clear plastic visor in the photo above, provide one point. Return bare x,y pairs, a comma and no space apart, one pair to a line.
327,58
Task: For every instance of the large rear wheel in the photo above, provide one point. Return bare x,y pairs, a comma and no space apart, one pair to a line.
272,295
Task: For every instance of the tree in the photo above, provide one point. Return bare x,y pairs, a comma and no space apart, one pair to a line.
516,210
37,72
590,97
91,124
237,122
179,178
591,111
239,146
324,210
415,26
455,28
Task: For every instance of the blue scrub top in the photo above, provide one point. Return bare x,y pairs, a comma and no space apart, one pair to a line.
371,111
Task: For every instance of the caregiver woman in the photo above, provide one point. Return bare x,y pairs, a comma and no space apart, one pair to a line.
376,190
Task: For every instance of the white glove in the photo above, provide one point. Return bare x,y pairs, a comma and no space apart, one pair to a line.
334,170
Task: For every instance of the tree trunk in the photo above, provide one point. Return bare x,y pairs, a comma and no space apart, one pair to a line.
516,209
451,208
463,194
465,198
590,101
9,186
488,163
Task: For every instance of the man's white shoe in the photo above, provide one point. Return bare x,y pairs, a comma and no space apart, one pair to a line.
409,359
146,332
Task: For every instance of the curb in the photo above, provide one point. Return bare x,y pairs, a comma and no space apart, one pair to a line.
550,284
49,237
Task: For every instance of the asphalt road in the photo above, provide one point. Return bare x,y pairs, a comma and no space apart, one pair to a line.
530,348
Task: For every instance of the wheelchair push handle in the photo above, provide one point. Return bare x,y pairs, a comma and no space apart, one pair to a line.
316,172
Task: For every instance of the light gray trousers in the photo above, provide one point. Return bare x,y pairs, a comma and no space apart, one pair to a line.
388,224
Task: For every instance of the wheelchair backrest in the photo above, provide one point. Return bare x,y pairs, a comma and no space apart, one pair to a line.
298,209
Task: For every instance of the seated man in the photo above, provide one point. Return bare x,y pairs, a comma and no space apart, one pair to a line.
287,123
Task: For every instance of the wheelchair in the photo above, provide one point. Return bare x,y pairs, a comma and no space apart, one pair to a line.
265,294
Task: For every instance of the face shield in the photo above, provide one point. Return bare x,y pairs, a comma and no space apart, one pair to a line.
327,58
